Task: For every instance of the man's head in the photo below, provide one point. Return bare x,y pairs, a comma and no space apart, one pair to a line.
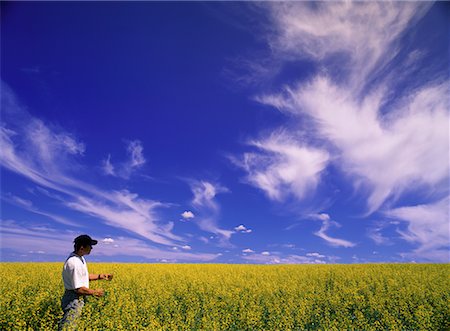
83,244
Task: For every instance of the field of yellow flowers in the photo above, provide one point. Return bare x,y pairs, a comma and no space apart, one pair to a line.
235,297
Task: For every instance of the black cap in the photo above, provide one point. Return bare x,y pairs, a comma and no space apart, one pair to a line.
85,240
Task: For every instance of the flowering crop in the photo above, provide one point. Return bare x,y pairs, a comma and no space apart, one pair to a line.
234,297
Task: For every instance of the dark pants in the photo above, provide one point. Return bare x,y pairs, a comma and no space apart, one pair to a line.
72,305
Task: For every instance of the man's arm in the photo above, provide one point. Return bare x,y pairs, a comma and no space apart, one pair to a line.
100,276
87,291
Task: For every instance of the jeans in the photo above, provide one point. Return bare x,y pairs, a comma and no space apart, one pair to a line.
72,305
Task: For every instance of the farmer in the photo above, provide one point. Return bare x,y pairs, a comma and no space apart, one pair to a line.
76,282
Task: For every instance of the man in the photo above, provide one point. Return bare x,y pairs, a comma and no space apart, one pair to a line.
76,282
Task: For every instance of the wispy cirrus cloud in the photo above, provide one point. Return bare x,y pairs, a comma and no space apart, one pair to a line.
277,258
29,206
25,238
135,150
412,142
315,254
428,227
377,236
17,200
348,107
107,167
50,157
204,193
208,209
378,232
327,223
368,106
283,165
364,36
128,212
125,169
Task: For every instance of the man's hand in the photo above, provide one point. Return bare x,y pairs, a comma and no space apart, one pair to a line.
98,293
106,276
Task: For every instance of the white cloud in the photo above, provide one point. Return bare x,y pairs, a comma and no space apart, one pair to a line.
283,165
428,226
208,209
203,239
31,161
45,192
19,201
187,214
332,241
107,240
186,247
348,105
72,146
49,143
368,144
281,259
21,239
204,194
108,168
377,236
37,252
265,253
383,125
248,250
29,206
126,211
25,238
49,157
365,34
135,150
326,224
324,217
125,169
315,255
242,229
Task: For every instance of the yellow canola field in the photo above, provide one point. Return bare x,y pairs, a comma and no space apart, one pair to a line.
235,297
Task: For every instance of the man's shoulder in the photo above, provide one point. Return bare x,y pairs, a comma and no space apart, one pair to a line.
73,260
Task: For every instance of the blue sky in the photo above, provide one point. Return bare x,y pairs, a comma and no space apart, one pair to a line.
226,132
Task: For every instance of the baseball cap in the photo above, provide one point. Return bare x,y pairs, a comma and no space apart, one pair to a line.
84,240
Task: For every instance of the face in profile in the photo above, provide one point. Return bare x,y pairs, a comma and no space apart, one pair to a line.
86,249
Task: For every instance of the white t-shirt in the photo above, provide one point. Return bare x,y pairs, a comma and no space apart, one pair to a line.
75,273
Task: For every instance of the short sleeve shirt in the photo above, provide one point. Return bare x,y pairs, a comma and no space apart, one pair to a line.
75,273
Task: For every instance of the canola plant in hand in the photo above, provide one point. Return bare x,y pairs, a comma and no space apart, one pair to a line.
235,297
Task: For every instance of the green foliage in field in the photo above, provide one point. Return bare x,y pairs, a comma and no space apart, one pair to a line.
234,297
